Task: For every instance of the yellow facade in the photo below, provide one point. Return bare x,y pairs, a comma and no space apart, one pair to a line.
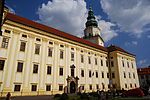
26,79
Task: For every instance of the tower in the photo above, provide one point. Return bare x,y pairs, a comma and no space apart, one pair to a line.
92,31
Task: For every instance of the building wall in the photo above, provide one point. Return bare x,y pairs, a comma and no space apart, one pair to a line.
12,55
9,77
130,79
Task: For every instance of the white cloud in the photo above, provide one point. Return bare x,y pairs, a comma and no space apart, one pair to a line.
131,15
148,36
107,32
70,16
135,43
143,63
11,10
66,15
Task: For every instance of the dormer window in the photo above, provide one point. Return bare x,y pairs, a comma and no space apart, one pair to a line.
51,43
24,36
7,31
37,39
62,46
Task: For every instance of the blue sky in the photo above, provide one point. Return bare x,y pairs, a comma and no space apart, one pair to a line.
125,23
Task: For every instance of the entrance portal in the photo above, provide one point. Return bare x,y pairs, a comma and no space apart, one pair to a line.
72,87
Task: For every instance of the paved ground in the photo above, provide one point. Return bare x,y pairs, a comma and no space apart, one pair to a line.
31,98
51,98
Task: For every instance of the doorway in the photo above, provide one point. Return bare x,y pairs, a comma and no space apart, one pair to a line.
72,87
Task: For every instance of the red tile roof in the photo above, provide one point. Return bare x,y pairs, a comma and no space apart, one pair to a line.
29,23
143,71
116,48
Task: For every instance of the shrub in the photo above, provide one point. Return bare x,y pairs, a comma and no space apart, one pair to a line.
79,93
133,92
94,94
84,96
57,95
64,96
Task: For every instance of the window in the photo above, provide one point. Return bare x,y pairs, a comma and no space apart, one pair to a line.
24,36
106,63
72,48
49,70
112,64
72,72
37,39
82,73
50,51
37,49
62,46
89,59
83,87
113,75
102,74
2,63
7,31
135,85
101,62
17,88
34,88
5,42
132,64
130,85
61,54
50,42
124,75
129,75
103,86
114,86
90,73
90,86
72,56
22,46
128,64
126,86
122,63
60,87
20,67
82,59
61,71
107,75
108,85
48,87
35,68
96,74
97,86
133,75
95,61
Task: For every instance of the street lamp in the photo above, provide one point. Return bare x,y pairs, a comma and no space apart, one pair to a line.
1,14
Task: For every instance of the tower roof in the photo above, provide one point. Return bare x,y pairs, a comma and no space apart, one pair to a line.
91,18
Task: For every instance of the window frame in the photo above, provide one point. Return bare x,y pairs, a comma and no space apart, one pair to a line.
35,68
60,71
17,87
5,42
49,70
37,49
19,66
22,46
2,64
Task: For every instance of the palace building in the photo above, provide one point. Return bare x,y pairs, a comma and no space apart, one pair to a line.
39,60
